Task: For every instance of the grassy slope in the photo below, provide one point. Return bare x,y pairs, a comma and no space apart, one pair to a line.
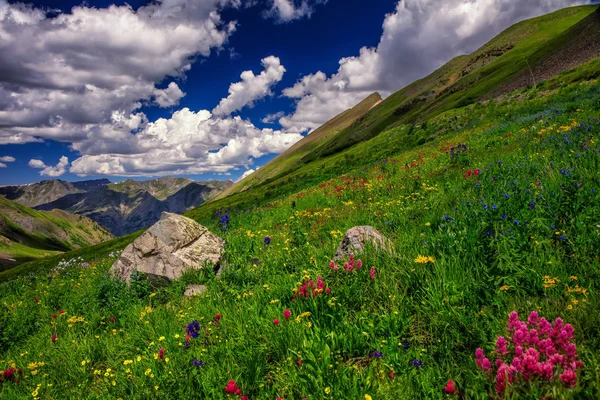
34,234
465,79
289,160
541,146
461,81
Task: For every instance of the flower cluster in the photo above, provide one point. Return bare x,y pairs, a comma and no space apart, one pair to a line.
471,172
310,289
424,259
536,351
349,266
11,374
192,331
232,388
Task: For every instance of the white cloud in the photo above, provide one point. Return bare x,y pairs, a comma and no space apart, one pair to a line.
7,159
272,118
418,37
169,96
245,174
33,163
2,165
289,10
58,170
252,87
62,76
188,142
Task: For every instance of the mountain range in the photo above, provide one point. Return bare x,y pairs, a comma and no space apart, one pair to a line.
121,208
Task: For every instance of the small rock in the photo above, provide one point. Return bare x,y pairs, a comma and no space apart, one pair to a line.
5,240
195,290
172,245
355,239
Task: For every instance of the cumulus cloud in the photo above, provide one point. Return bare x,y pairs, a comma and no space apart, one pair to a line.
7,159
58,170
61,76
34,163
289,10
187,142
52,171
245,174
418,37
252,87
169,96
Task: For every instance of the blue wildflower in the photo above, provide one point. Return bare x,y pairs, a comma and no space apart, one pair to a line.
197,363
416,363
376,354
267,240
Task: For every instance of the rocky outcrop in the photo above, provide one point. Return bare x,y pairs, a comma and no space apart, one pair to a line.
195,290
356,239
172,245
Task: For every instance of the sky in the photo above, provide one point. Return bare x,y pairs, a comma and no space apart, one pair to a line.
209,89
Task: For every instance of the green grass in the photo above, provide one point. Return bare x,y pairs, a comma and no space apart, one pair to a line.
494,238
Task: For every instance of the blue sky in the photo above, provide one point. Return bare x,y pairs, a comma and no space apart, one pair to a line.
91,88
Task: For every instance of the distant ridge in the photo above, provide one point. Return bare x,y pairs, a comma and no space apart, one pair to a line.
121,208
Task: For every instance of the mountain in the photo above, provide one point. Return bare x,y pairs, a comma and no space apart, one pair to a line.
35,194
529,52
128,206
27,234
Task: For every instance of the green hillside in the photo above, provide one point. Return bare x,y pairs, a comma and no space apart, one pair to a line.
290,159
542,47
27,234
492,206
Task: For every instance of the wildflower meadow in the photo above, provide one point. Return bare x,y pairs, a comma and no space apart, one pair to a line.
491,289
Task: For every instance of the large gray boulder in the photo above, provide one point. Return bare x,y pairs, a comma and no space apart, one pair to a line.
175,243
356,238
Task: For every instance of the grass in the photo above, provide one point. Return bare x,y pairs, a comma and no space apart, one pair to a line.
523,235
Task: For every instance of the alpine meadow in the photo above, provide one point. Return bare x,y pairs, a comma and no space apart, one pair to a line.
437,241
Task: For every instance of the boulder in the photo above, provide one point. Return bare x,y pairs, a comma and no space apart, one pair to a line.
194,290
175,243
356,238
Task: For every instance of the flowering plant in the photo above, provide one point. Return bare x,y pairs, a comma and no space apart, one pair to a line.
535,353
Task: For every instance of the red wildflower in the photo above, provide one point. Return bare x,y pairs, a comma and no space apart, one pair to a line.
161,353
54,316
372,274
53,338
231,387
276,321
61,312
450,389
217,317
392,375
36,300
287,314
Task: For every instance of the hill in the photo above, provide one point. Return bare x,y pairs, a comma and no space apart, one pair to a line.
27,234
121,208
529,52
290,159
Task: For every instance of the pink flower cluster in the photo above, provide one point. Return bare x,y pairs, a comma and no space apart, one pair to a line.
310,289
349,266
535,349
233,388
